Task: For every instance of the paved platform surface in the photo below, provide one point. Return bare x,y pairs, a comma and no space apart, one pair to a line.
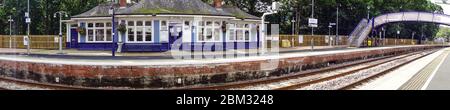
440,80
403,76
168,60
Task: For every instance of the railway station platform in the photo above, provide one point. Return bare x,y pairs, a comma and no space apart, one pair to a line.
155,72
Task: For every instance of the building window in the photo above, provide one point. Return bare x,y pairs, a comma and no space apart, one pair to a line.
130,30
99,32
148,31
140,31
231,32
201,27
90,35
217,31
209,31
242,32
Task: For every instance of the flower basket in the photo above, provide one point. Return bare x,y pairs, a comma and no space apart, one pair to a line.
122,28
81,30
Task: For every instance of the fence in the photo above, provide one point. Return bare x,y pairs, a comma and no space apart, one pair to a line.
305,40
37,41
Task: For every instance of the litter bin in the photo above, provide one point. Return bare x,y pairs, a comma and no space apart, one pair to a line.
285,43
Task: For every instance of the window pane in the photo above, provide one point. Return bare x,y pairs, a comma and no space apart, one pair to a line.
139,34
108,35
187,23
239,35
200,34
139,23
247,35
209,36
217,34
148,23
217,24
90,35
100,35
90,24
130,34
231,35
201,23
208,23
99,25
163,23
108,24
240,26
130,23
148,34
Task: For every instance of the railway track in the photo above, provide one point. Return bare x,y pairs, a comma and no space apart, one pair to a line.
354,78
15,83
315,76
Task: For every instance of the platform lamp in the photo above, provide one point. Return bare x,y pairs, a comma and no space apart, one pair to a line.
10,20
398,34
61,14
329,34
274,10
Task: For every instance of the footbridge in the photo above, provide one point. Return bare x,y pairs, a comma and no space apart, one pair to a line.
365,27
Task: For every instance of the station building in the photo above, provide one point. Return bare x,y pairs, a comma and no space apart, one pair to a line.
161,25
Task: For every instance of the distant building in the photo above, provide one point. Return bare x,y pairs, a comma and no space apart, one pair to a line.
155,25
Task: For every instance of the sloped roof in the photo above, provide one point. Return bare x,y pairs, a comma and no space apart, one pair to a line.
195,7
238,13
153,7
101,10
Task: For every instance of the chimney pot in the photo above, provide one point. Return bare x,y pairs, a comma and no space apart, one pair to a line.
123,3
218,3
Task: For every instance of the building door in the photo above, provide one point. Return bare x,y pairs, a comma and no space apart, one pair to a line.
73,38
175,35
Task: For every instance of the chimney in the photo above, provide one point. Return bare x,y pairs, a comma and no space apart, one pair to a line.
123,3
217,3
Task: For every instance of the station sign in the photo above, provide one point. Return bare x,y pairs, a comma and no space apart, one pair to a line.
28,20
300,39
313,22
56,39
26,39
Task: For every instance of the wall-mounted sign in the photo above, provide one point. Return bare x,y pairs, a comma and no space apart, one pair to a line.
56,39
300,39
25,40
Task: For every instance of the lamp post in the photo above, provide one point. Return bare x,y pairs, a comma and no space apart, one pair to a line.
60,13
28,21
312,27
337,24
398,33
412,38
293,26
384,36
368,12
10,20
275,7
112,13
329,34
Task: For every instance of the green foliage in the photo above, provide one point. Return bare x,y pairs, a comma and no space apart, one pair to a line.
42,12
444,32
351,12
